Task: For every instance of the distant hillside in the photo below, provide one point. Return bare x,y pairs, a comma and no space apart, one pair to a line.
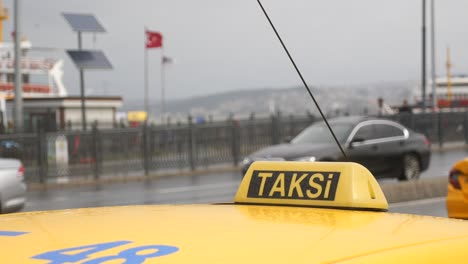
333,100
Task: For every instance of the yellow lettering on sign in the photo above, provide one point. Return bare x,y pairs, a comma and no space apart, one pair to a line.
316,186
295,185
278,186
327,187
264,176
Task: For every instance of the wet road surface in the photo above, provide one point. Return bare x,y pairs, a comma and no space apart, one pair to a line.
209,188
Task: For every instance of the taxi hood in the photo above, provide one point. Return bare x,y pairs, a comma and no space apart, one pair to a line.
221,233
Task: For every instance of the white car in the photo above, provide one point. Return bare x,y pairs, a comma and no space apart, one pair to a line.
12,186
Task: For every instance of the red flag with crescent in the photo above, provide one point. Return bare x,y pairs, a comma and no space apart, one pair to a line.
153,39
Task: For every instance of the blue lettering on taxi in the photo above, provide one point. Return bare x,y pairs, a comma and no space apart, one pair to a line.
11,233
82,253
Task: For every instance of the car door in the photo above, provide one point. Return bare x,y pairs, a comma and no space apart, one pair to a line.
362,149
390,140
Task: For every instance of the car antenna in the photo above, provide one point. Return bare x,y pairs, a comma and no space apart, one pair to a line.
302,79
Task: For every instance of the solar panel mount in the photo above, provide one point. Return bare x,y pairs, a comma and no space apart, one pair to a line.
84,23
89,59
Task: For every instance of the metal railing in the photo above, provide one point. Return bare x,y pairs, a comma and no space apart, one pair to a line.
145,150
439,127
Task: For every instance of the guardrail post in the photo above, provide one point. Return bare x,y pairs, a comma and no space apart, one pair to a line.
178,139
274,130
152,147
440,130
235,142
280,128
191,143
434,126
411,119
95,150
251,139
144,145
292,127
42,153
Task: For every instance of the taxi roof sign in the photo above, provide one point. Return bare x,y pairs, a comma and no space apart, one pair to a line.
343,185
137,116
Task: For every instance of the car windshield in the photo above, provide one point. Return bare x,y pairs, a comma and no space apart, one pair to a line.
319,133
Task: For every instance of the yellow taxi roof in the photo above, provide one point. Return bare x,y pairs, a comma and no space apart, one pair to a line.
228,233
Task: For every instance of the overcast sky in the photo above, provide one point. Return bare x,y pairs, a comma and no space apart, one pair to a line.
224,45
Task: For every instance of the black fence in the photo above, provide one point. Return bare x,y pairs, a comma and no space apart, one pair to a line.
440,128
100,153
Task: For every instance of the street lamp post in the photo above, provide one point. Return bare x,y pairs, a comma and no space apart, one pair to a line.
82,89
84,59
423,68
433,62
18,101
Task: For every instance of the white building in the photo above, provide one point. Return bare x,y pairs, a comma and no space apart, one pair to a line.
45,98
58,113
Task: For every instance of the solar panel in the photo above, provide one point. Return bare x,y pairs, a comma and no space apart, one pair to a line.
85,59
83,23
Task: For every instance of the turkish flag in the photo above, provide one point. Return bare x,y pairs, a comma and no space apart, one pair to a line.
153,39
166,59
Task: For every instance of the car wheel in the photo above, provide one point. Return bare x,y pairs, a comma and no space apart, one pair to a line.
411,168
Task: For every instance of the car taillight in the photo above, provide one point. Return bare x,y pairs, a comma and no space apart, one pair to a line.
426,141
453,179
21,171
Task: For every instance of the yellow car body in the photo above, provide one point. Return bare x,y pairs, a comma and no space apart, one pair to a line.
457,193
232,234
283,212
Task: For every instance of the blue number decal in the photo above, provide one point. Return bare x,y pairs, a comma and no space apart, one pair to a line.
11,233
77,253
131,257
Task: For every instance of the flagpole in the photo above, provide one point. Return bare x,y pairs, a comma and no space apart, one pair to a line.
146,78
433,62
163,100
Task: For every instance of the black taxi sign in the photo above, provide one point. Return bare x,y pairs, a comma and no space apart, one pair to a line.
319,184
293,185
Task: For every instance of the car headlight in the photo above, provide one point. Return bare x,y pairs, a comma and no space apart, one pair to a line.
308,158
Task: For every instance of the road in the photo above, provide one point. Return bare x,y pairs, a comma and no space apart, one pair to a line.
199,190
210,188
432,207
441,162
